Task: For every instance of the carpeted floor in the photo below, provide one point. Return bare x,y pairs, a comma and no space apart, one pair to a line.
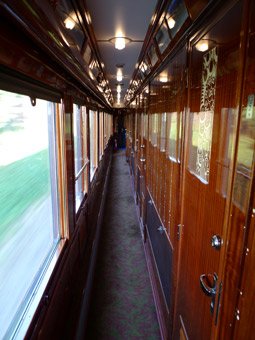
122,305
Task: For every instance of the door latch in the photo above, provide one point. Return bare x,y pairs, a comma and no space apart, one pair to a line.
208,283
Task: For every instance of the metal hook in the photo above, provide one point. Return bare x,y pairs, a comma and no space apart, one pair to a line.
33,101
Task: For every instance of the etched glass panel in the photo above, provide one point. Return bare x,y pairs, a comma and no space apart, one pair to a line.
202,122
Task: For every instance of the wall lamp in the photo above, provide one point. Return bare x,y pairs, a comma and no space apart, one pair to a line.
204,44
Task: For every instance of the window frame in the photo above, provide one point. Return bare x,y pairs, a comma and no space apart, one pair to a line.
25,87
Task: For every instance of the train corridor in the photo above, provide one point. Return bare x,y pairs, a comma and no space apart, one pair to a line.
122,305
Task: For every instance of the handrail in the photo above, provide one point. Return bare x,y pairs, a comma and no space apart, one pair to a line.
82,169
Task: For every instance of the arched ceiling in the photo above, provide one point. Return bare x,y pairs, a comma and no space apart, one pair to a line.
110,18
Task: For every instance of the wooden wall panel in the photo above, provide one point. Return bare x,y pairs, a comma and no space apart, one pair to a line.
239,291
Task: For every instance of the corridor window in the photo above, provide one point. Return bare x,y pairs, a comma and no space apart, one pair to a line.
81,161
93,134
176,16
108,128
101,134
163,38
30,214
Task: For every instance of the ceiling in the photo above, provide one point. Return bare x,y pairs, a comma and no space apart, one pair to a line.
111,18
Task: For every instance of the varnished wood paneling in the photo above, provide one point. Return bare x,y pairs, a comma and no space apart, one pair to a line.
204,207
240,235
245,318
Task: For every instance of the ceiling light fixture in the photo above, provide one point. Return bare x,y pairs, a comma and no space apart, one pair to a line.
120,42
119,77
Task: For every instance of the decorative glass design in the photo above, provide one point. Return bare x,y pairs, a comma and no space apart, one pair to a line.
202,122
209,74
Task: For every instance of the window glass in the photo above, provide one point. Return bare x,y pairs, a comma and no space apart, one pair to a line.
162,37
245,154
71,22
176,15
29,200
93,130
153,55
87,54
201,124
80,154
108,128
101,134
